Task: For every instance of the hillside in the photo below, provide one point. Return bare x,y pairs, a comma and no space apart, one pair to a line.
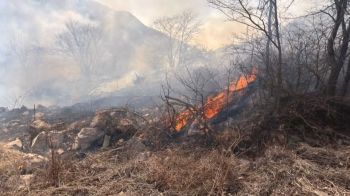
128,43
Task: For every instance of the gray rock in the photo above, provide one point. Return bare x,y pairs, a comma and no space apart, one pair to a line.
37,127
101,120
42,108
135,145
106,141
40,143
17,182
54,107
3,109
85,137
14,145
143,156
55,139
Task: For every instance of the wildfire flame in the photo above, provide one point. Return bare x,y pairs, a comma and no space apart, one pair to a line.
216,104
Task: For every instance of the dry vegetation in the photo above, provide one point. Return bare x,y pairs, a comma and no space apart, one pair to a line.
303,171
9,163
301,151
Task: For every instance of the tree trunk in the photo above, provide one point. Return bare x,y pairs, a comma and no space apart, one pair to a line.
279,66
346,81
334,63
268,61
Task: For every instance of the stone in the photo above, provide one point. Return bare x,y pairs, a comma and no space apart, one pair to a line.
23,108
101,120
60,151
38,126
106,141
54,107
17,182
77,126
104,122
143,156
41,108
40,143
3,109
86,137
55,139
14,145
34,158
126,127
39,115
135,145
59,126
120,142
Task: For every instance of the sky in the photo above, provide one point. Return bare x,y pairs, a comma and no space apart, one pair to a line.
216,30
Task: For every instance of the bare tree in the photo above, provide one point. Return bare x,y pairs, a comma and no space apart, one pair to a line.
24,51
180,31
187,90
336,61
84,43
262,16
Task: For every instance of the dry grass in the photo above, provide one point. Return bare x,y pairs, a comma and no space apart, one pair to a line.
10,161
303,171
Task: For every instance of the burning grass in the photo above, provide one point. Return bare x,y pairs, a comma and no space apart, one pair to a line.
214,104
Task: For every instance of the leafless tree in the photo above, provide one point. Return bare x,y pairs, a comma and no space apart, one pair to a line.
187,91
179,30
24,51
258,15
336,61
84,43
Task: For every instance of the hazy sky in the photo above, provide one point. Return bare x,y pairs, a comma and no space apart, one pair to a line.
216,29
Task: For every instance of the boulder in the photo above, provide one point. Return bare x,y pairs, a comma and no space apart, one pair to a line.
38,126
40,143
3,109
106,141
23,108
77,126
60,151
135,146
104,122
17,182
127,126
39,115
41,108
55,138
54,107
59,126
101,120
14,145
86,137
34,159
143,156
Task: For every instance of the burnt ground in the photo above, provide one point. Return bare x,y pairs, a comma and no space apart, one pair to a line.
303,150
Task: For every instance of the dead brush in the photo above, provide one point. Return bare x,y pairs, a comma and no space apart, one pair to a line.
10,161
193,173
57,172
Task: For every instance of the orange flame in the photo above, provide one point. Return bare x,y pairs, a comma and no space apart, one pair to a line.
216,104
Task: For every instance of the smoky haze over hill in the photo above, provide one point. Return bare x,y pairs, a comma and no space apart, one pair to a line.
66,52
35,70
